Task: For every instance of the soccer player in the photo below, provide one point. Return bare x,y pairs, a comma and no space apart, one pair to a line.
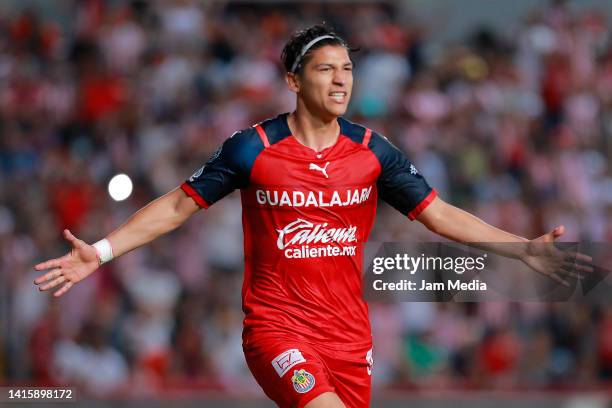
309,183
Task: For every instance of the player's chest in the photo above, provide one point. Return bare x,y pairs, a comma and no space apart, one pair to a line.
342,178
298,166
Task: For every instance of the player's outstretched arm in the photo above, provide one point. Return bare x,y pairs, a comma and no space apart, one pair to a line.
157,218
461,226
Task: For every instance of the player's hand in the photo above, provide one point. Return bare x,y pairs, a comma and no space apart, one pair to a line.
76,265
543,257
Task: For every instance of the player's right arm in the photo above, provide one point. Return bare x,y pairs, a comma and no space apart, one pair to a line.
157,218
228,169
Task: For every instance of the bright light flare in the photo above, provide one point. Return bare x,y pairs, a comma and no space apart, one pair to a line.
120,187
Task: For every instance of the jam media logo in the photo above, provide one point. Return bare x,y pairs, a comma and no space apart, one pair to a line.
286,360
296,238
302,381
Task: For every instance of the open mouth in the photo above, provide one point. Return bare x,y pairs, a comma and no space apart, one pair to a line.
338,96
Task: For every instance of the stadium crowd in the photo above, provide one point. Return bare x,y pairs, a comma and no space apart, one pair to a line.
513,126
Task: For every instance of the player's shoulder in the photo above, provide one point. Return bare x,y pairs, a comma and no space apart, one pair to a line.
260,135
362,134
273,130
244,145
242,140
354,131
241,149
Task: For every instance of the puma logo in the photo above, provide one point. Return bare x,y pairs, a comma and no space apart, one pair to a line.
318,168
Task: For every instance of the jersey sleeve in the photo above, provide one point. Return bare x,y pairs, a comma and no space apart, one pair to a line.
400,184
227,169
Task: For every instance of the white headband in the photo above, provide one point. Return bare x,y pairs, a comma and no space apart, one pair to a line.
305,50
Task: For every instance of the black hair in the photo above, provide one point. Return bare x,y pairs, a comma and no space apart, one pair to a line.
298,40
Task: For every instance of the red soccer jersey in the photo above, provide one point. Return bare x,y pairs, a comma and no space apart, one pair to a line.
305,216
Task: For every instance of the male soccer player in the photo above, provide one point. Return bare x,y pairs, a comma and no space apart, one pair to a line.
309,184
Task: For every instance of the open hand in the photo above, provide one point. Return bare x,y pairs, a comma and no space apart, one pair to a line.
543,257
76,265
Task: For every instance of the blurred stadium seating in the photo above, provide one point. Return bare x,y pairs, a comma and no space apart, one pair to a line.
513,124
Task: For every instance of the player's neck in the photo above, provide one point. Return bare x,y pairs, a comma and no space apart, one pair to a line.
312,131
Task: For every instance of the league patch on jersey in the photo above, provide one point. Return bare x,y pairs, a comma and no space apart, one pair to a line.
216,153
413,170
302,381
197,174
214,156
287,359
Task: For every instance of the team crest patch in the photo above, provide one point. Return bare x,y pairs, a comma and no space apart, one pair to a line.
302,381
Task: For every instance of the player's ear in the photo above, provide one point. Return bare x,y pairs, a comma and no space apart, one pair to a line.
293,82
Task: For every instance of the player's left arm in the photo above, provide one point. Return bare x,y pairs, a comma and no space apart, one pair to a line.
461,226
458,225
401,185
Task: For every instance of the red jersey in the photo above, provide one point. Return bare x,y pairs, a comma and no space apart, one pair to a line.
305,217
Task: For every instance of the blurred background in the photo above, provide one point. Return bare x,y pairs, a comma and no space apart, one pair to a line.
505,107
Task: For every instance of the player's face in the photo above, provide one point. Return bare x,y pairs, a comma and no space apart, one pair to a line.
325,83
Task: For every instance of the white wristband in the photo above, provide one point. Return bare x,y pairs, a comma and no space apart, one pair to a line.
104,249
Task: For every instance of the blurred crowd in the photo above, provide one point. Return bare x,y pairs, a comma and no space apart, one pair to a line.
514,126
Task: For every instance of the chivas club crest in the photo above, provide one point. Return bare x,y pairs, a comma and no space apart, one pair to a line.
302,381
